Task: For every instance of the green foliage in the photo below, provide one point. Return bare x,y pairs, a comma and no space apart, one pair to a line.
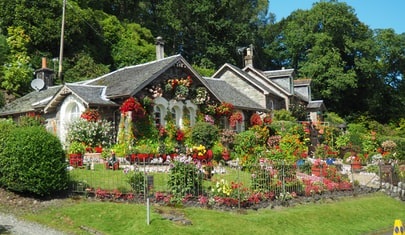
31,119
299,111
137,181
6,127
184,178
2,99
76,147
283,115
205,134
18,71
4,50
134,46
33,161
85,68
334,119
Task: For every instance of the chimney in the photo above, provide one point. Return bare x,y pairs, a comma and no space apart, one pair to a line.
160,52
249,56
45,74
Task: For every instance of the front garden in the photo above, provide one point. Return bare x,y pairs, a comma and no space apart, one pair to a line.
276,158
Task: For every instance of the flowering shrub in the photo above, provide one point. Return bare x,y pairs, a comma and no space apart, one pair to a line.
201,95
179,135
235,118
91,115
31,119
222,188
224,109
132,104
91,133
325,151
199,150
173,83
267,119
255,119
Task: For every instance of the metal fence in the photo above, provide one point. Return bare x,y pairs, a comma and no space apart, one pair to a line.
276,180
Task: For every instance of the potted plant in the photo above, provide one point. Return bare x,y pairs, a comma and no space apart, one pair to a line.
76,151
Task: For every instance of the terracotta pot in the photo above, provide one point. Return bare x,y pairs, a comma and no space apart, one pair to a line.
356,165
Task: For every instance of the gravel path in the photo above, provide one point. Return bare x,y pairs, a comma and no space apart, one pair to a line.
9,224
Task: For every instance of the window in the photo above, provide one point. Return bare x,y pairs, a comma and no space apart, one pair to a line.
74,112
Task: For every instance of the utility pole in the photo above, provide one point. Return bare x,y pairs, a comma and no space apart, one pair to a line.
62,32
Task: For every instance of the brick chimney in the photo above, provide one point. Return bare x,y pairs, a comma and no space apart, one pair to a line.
160,49
249,56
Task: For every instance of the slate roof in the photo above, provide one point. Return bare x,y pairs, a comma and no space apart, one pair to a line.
316,105
29,102
229,94
92,95
251,79
129,80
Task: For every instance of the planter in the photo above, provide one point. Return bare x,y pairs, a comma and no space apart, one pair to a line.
319,171
142,157
356,165
76,159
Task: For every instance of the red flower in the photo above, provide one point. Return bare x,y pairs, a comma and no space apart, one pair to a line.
91,115
179,135
131,104
255,119
225,109
267,119
235,119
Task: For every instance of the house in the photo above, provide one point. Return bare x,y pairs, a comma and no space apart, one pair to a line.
174,86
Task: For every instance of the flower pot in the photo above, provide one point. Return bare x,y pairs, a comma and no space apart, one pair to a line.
356,165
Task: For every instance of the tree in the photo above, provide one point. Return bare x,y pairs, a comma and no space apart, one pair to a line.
18,71
208,33
84,68
134,46
349,71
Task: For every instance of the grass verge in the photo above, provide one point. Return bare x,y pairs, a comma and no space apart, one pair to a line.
353,215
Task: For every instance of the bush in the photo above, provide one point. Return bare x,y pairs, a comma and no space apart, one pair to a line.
137,181
205,134
184,178
91,133
33,161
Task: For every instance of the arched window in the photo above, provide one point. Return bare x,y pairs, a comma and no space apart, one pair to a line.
74,112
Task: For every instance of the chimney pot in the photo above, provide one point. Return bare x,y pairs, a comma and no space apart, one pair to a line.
160,54
44,62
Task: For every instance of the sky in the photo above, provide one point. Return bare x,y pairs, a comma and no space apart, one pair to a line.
377,14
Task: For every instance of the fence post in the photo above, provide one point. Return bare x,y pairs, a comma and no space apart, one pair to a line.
283,174
238,187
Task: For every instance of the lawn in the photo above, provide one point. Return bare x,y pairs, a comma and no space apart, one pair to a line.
352,215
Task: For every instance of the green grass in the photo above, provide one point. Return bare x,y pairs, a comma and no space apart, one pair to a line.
354,215
110,180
